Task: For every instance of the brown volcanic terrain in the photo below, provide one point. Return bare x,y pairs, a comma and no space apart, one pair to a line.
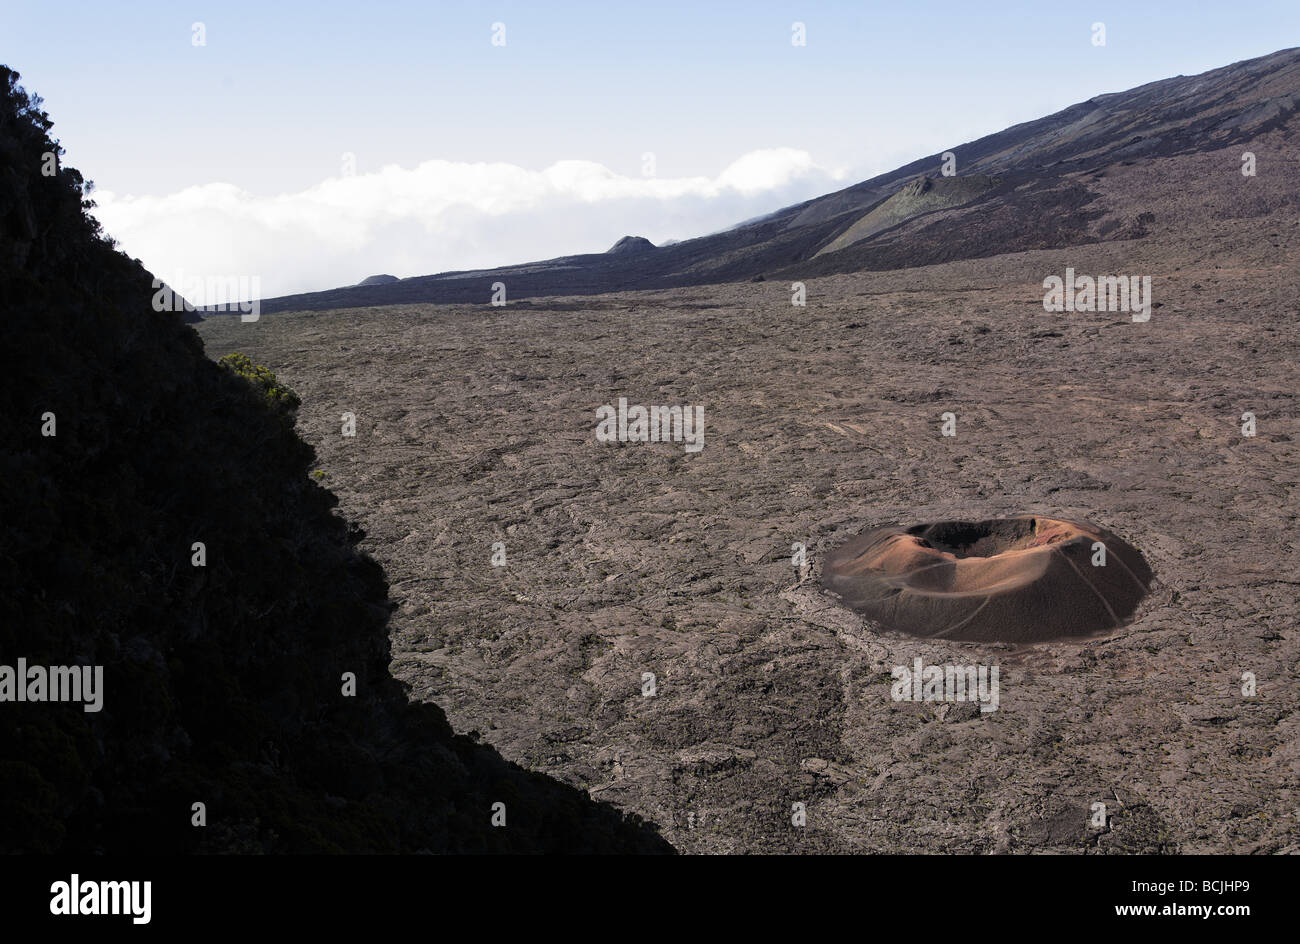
475,425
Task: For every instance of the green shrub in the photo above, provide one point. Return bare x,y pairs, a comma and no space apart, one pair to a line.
279,397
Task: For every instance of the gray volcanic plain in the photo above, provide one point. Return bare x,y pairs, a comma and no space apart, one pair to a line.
475,427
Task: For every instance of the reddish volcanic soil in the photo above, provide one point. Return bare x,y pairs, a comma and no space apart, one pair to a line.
1023,579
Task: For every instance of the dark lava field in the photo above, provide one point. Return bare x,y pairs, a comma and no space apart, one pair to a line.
647,635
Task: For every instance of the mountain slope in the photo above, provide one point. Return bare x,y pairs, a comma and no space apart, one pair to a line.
922,195
1041,199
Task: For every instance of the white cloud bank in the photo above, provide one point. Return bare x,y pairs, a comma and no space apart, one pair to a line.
439,216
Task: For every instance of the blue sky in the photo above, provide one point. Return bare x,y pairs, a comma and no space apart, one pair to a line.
280,91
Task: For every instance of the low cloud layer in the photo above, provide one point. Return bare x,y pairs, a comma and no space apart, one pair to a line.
439,216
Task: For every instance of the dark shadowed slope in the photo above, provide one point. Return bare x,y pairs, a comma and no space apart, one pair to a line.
223,684
1033,193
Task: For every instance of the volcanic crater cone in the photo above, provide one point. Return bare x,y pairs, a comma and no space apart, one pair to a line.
1021,579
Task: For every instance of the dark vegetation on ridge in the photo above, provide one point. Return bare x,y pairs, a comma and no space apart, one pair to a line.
223,683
